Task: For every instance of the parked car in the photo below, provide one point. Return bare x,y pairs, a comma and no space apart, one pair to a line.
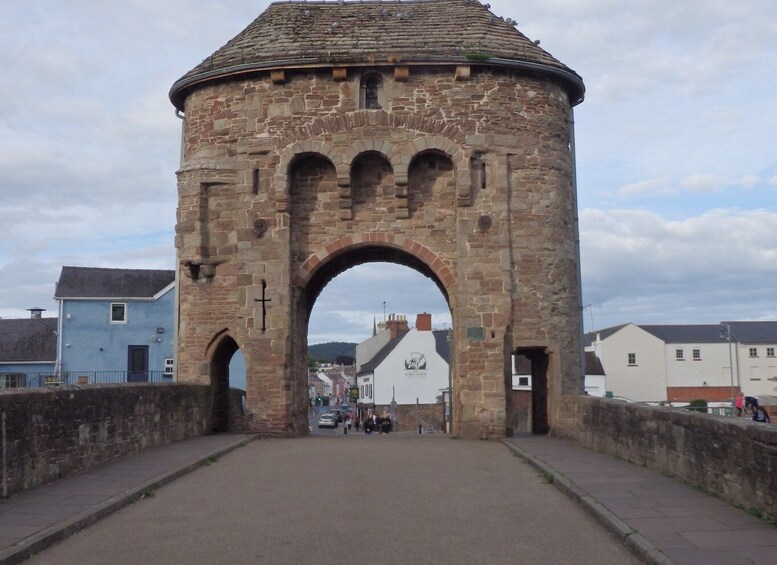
327,421
338,413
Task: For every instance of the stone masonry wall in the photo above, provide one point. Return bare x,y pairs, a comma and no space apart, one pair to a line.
50,433
735,459
470,177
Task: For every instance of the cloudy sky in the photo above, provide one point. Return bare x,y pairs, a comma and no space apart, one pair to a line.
676,149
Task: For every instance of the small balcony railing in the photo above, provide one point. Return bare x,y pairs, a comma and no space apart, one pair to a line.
62,378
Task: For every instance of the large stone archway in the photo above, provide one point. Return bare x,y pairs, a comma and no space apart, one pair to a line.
464,173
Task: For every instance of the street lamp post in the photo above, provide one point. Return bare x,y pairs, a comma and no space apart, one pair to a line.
725,331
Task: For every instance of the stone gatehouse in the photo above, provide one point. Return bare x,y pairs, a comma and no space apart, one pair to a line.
427,133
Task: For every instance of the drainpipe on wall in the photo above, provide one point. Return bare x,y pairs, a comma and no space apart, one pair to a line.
177,307
60,323
5,464
576,221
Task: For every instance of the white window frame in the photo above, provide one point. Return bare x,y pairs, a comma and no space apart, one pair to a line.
679,355
753,352
631,359
169,366
770,351
697,354
110,313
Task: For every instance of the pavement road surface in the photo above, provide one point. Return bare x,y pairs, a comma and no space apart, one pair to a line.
353,498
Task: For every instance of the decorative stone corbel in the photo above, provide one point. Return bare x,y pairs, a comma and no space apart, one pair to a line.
205,268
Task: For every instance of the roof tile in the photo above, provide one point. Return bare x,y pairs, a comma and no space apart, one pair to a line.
290,34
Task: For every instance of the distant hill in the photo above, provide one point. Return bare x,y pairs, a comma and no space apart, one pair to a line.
328,352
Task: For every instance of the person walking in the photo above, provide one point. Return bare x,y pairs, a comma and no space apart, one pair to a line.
761,415
740,404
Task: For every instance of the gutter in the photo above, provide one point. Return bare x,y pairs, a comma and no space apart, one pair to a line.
571,79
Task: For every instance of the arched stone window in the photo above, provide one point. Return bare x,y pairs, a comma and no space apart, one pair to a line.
371,91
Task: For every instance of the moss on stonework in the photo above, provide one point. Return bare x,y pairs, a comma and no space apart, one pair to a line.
476,56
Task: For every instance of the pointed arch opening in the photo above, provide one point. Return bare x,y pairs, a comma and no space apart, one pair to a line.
224,352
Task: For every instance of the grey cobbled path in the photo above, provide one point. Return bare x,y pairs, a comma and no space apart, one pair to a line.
351,499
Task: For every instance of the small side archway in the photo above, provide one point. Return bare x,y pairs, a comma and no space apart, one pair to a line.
220,353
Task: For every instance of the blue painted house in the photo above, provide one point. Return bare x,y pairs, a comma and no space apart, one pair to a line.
115,324
28,350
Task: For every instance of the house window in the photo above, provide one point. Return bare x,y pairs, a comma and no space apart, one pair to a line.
118,313
523,381
371,91
697,354
678,355
12,380
753,352
632,358
770,351
169,365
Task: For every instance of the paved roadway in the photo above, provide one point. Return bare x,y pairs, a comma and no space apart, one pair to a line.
405,499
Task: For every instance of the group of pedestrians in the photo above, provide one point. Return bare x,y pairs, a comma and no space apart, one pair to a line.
748,406
381,424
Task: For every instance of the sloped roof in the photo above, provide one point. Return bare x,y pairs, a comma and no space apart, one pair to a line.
754,332
92,282
742,332
685,333
28,340
441,345
381,354
326,34
590,337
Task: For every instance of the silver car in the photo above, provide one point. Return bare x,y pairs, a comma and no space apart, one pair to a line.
327,421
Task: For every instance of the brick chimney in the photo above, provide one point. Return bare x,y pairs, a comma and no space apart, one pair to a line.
397,323
423,322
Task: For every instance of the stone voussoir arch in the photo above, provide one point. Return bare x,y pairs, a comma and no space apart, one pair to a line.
436,143
342,245
375,118
436,136
292,151
382,147
217,341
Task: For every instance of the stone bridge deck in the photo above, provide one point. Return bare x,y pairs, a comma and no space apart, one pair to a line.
378,499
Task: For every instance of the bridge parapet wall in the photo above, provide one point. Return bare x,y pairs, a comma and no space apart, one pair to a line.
50,433
734,459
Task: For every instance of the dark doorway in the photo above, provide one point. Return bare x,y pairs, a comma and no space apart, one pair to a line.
219,380
137,363
538,360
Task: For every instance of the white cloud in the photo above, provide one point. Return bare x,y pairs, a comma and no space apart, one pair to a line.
703,182
91,145
647,188
640,267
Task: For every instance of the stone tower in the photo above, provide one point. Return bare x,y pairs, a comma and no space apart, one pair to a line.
428,133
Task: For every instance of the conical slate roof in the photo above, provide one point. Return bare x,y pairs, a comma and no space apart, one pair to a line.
321,34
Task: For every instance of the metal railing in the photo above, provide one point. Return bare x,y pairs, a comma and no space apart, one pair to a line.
62,378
